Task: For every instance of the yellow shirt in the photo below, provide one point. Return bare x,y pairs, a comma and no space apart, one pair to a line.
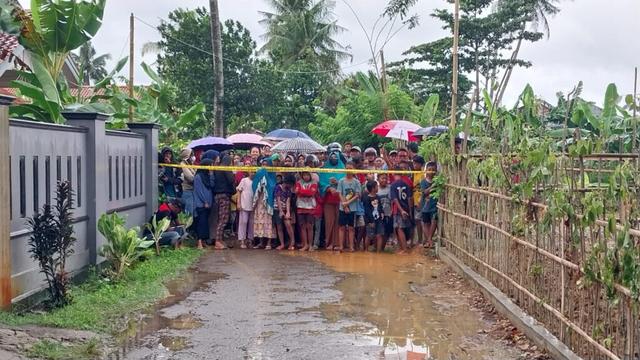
417,194
234,202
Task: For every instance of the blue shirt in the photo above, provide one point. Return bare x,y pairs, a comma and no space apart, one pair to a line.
348,189
428,203
201,194
402,192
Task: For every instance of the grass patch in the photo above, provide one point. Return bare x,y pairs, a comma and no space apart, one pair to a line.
54,350
98,304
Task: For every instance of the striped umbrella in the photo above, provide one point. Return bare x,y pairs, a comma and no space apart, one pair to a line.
299,145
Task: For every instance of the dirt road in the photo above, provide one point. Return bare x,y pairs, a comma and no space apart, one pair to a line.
322,305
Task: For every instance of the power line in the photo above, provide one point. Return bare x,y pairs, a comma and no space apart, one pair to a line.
249,65
126,41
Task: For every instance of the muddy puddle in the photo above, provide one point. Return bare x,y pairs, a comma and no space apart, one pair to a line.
164,315
415,314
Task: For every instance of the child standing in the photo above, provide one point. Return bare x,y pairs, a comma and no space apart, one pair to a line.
306,190
282,211
245,211
350,190
384,192
202,196
373,216
429,205
402,197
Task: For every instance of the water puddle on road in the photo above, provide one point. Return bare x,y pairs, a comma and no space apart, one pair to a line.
160,316
416,314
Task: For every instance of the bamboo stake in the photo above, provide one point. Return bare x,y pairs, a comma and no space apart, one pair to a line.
454,82
620,288
548,307
602,223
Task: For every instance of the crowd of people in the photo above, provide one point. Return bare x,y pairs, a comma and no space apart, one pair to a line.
332,209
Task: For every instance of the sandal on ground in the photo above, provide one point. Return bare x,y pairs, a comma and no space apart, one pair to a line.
281,247
268,247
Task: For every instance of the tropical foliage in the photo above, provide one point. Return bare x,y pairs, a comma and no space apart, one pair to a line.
303,30
124,246
55,28
92,67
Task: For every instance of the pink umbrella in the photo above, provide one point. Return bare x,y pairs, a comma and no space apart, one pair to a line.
397,129
246,141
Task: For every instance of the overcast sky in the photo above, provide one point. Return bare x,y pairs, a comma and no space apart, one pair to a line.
591,40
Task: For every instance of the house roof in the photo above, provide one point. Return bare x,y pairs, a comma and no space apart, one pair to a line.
8,45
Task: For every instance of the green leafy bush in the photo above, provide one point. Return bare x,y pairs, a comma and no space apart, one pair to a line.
124,247
156,228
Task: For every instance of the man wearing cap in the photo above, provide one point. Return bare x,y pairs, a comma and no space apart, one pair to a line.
393,159
354,152
370,155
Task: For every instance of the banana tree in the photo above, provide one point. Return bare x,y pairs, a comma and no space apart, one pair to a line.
54,28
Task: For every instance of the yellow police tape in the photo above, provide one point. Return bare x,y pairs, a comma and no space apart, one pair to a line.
281,169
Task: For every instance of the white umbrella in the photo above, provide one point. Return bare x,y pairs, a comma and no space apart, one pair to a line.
299,145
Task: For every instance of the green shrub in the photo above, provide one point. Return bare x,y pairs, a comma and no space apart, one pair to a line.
124,247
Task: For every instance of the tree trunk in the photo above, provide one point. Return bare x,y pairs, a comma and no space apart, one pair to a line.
507,74
216,44
454,82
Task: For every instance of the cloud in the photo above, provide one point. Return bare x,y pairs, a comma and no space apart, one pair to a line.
589,41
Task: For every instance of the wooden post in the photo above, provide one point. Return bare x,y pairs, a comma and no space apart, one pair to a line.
454,82
131,63
635,103
5,209
383,86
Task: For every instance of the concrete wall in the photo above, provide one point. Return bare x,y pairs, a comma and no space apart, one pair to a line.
109,171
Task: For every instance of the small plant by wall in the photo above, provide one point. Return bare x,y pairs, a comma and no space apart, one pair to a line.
51,243
124,247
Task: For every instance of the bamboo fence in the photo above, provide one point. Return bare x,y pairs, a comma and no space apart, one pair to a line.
541,266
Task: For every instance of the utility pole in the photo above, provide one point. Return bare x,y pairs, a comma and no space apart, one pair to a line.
218,75
131,67
454,82
383,86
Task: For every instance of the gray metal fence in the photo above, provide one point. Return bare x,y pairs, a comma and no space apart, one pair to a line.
109,171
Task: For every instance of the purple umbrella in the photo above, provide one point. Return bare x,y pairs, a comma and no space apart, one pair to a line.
246,141
211,143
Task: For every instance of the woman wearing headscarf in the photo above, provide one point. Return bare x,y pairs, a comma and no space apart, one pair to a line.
223,189
187,180
202,202
331,198
167,175
214,156
264,184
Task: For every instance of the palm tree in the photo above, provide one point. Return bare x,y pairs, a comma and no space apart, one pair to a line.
303,30
91,67
536,15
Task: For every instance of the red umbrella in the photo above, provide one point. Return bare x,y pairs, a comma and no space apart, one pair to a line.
397,129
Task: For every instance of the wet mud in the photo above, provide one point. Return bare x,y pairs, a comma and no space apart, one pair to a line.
321,305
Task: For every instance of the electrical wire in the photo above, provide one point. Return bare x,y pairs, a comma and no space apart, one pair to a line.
250,65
